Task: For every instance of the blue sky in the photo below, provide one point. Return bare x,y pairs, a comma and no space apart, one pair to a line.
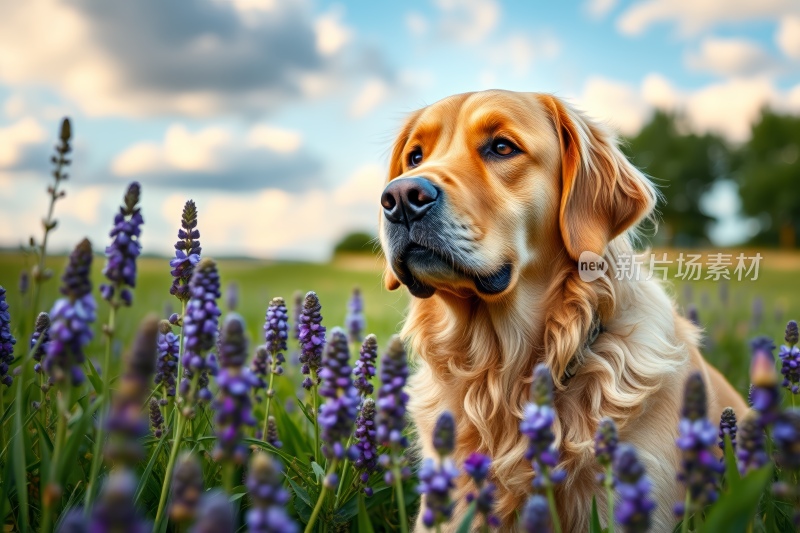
275,116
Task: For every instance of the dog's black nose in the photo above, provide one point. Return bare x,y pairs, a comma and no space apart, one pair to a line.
408,198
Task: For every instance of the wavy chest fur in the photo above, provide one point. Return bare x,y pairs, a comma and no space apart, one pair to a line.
476,361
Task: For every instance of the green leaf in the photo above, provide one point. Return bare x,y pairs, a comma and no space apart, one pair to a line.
46,450
364,523
304,409
318,471
73,442
594,523
731,471
295,442
303,509
16,431
18,461
466,522
235,497
74,499
735,509
94,376
301,492
8,411
149,469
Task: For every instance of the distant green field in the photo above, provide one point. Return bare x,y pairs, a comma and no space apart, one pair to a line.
728,326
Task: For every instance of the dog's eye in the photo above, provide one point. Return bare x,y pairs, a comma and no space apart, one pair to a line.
415,157
503,147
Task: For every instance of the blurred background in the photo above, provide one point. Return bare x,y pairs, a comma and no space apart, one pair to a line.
276,116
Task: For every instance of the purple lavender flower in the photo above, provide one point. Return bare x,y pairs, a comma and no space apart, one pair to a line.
187,253
276,332
786,436
699,467
200,327
72,318
187,487
790,359
764,396
259,367
337,415
605,441
312,339
232,295
115,510
297,310
7,340
74,522
40,330
121,255
215,514
272,433
125,421
477,467
727,426
264,483
392,399
24,282
354,321
365,366
537,425
168,353
367,461
634,507
232,405
156,418
444,434
436,482
536,515
751,451
692,315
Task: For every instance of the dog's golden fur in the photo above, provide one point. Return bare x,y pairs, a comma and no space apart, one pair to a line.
570,190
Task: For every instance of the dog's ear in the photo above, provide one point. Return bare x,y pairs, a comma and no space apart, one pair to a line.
603,194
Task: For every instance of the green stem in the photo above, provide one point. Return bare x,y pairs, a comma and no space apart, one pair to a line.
179,376
269,400
316,415
320,500
61,432
97,458
398,489
173,454
438,527
610,498
341,482
686,505
2,426
551,502
228,472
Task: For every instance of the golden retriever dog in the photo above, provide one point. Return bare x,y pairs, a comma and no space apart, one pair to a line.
491,199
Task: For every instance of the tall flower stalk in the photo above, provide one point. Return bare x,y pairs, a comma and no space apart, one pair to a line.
436,481
268,513
477,467
391,422
60,162
276,332
635,507
790,361
605,446
354,320
120,270
311,336
7,342
537,425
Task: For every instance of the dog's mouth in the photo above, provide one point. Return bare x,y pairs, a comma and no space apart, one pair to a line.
419,267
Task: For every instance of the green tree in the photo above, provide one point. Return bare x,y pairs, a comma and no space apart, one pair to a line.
769,179
683,166
357,242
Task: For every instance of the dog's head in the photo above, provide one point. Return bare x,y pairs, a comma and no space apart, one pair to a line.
485,186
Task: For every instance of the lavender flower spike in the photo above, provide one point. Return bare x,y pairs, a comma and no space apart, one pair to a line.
115,510
436,483
168,352
276,332
312,339
790,359
200,327
367,461
365,366
187,488
605,441
633,487
699,467
337,415
272,433
125,421
40,330
444,434
727,426
535,515
751,452
187,253
232,295
121,255
537,425
765,395
156,418
477,467
7,340
265,485
355,321
232,405
72,318
786,435
297,310
215,514
392,399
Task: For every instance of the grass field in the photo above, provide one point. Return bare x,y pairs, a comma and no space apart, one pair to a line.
728,326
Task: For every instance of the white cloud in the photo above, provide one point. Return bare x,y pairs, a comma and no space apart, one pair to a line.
277,139
468,21
83,204
519,51
730,57
332,35
788,36
416,23
598,9
371,95
616,102
694,16
16,137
